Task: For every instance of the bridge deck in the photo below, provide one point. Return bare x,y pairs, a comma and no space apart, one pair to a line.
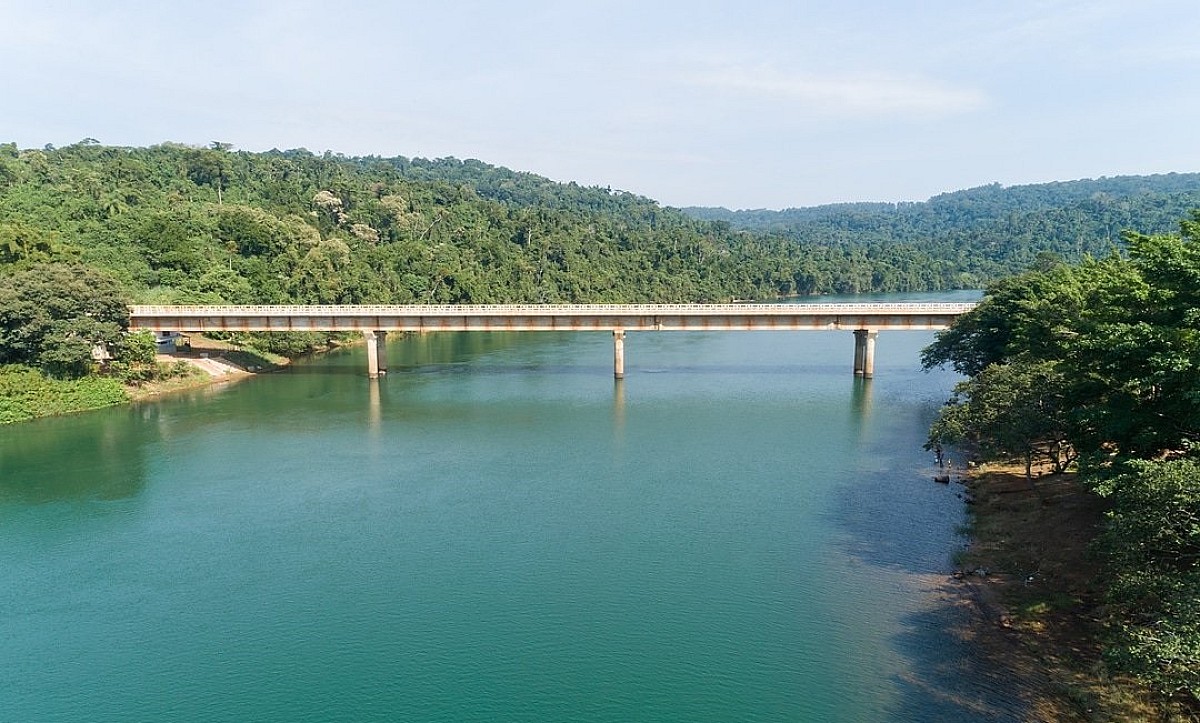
549,317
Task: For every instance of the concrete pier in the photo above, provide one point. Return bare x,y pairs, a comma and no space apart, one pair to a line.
864,353
618,353
381,350
372,355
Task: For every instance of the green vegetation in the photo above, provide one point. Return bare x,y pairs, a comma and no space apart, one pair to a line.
1100,361
181,224
28,393
63,343
54,316
982,233
178,224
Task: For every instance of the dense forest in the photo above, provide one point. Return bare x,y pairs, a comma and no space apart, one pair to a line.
992,230
1096,366
181,224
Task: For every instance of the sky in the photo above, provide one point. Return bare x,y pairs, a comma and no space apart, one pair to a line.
747,104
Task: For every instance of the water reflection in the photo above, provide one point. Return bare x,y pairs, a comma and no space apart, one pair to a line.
860,399
440,348
374,408
98,455
619,409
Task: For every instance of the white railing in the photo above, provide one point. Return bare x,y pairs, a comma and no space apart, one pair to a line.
542,310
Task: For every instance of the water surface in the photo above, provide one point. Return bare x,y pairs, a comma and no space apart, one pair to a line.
496,531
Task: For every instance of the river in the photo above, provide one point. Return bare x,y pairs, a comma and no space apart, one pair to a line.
497,531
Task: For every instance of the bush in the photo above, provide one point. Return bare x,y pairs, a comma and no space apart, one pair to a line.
1152,542
27,393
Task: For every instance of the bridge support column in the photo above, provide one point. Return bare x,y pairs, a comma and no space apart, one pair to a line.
618,353
372,354
381,350
864,353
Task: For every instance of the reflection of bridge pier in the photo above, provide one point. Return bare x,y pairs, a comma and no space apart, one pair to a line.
374,321
375,411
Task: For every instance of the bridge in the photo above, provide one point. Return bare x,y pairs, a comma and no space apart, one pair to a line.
866,320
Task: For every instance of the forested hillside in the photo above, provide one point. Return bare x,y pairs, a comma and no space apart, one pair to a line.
183,224
992,230
176,224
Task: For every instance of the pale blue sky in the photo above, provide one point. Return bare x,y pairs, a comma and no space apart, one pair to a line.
741,104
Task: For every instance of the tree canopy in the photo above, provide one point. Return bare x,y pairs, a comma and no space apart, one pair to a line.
1101,360
181,224
53,316
992,230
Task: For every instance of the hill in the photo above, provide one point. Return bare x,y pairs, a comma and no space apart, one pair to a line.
183,224
178,224
991,230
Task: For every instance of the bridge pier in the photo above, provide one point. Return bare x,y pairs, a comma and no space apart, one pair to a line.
381,350
372,354
376,353
864,353
618,353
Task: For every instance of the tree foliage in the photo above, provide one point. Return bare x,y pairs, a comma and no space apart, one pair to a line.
1102,359
1153,543
1011,410
53,316
991,230
182,224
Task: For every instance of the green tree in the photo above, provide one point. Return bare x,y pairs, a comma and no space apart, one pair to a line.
53,315
1103,358
21,242
1015,410
1152,542
210,167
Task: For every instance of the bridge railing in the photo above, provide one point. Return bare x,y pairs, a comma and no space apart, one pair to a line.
919,308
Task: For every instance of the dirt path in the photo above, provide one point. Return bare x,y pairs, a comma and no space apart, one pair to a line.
215,367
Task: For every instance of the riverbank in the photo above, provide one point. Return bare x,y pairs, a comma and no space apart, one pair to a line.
1037,598
210,361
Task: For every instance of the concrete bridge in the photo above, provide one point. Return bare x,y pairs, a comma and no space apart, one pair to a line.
866,320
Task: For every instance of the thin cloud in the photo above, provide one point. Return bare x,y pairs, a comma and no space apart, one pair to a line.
848,95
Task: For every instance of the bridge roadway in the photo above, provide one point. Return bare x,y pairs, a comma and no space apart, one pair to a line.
866,320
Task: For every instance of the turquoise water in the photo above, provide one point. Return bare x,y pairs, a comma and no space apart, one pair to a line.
496,531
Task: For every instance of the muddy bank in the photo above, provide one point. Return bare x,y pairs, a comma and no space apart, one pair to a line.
1034,592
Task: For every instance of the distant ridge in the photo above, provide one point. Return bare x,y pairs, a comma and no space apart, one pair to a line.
185,224
1043,195
990,229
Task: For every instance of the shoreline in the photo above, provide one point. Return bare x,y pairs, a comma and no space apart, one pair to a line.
1036,600
210,365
